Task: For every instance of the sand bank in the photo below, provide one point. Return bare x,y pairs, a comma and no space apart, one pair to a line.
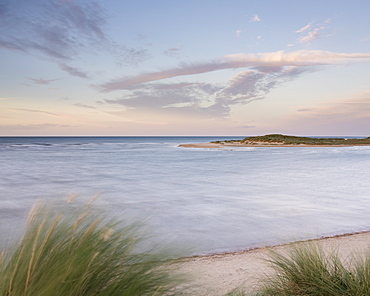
223,145
218,274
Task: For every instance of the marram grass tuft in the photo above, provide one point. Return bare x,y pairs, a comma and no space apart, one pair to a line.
69,251
308,270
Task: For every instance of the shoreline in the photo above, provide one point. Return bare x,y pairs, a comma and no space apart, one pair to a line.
222,145
218,274
280,245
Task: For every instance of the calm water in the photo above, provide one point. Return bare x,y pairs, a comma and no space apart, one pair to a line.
203,200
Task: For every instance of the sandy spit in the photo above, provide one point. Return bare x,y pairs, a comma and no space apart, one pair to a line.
223,145
216,275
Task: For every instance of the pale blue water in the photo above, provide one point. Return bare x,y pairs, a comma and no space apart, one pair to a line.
201,200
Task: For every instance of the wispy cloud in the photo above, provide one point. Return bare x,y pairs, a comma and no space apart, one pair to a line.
57,30
308,26
238,33
255,18
187,99
73,71
84,106
51,27
300,58
305,110
173,51
30,127
36,111
129,56
311,31
311,36
204,99
263,72
61,31
42,81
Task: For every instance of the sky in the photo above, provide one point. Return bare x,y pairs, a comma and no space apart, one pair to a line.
186,68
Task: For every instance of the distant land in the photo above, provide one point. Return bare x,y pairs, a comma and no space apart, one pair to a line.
278,140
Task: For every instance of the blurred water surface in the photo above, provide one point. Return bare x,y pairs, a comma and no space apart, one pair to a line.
201,200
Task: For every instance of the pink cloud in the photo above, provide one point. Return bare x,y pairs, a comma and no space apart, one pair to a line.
302,58
304,28
311,36
42,81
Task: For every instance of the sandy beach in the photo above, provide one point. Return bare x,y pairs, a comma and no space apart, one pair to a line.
219,274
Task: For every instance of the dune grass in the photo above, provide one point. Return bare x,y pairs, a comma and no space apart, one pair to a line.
70,251
308,270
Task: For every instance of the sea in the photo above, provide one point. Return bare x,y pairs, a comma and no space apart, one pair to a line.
200,201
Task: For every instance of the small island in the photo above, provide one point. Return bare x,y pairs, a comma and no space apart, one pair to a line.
278,140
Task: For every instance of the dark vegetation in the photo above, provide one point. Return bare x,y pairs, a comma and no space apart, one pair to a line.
307,270
294,140
277,139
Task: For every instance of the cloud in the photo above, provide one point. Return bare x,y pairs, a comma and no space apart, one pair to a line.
259,75
174,51
61,31
129,56
171,85
150,93
251,85
311,36
36,111
255,18
65,99
304,110
84,106
158,96
300,58
42,81
243,82
304,28
27,127
238,33
207,100
73,71
58,29
198,100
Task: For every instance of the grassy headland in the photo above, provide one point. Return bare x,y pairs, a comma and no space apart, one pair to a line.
278,139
